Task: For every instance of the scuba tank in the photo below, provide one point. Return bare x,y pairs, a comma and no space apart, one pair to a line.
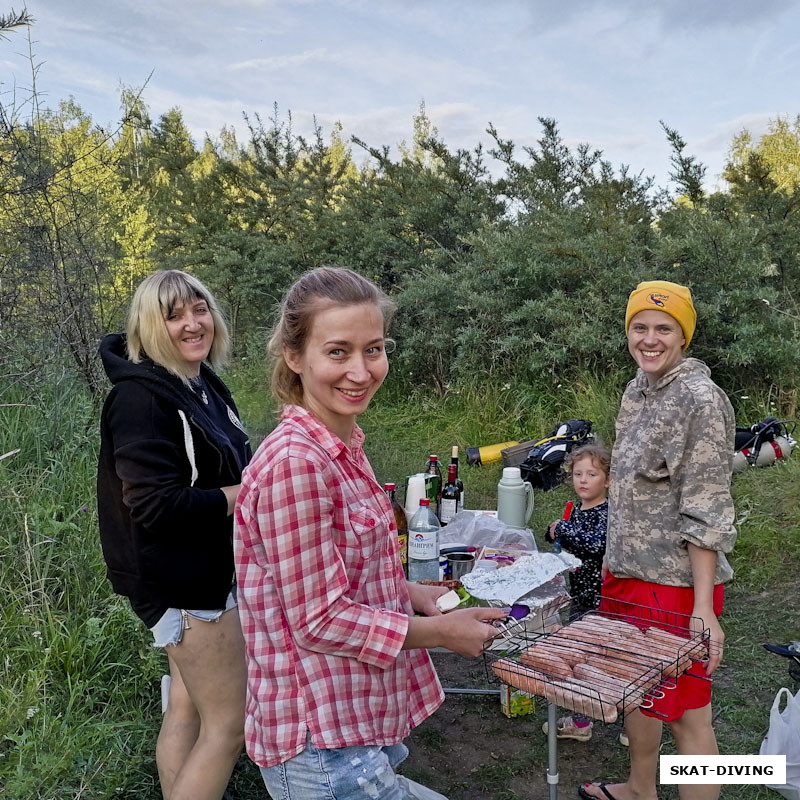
778,448
762,444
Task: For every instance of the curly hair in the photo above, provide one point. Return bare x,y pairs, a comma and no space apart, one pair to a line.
596,451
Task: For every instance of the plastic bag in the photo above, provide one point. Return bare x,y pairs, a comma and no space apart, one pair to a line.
783,739
416,791
473,529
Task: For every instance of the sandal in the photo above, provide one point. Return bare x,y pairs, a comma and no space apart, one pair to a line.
601,786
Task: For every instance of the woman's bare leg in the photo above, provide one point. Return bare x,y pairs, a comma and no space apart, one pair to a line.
211,663
694,736
179,730
644,736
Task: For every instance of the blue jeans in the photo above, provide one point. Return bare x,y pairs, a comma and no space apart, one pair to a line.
169,629
344,773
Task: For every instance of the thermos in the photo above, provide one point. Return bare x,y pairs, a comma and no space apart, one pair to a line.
514,498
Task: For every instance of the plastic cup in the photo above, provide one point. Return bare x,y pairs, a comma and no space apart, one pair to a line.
415,491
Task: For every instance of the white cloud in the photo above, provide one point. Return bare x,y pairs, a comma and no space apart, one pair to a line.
320,55
719,138
669,15
690,15
201,114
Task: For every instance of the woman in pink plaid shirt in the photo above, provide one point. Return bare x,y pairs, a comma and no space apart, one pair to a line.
338,673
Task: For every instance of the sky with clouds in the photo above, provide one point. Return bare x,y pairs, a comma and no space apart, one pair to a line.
606,71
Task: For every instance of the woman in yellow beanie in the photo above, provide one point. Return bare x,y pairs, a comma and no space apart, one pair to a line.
670,522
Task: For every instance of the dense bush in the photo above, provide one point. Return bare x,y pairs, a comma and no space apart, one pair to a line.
522,276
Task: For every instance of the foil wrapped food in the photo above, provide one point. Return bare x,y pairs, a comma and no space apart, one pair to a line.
507,585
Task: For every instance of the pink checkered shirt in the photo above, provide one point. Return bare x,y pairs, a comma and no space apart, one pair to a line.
323,601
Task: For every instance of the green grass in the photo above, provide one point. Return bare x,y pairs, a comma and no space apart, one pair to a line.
79,698
76,680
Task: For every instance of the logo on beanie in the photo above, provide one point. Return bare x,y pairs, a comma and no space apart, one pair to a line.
658,299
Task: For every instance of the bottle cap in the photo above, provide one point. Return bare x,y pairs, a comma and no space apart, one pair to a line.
454,451
433,457
389,487
424,501
512,474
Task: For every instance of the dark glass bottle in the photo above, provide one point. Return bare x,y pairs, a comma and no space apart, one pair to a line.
435,493
402,525
459,482
450,496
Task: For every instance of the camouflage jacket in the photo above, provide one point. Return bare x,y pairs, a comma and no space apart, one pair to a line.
670,477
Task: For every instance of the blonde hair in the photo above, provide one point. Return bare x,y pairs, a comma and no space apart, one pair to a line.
314,290
597,452
154,299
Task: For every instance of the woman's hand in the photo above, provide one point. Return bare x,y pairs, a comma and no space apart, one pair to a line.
467,631
231,493
464,631
703,617
423,598
704,565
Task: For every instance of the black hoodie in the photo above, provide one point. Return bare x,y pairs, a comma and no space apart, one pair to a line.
164,527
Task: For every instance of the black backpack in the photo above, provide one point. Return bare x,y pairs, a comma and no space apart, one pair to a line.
542,467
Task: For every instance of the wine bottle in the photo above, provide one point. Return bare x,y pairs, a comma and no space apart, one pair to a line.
434,468
448,508
459,482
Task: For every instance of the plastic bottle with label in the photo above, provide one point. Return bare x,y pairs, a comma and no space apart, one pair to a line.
423,544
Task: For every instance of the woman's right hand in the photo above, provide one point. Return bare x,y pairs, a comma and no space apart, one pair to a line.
231,493
464,631
467,631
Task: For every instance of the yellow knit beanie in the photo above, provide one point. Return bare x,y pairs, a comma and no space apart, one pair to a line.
671,298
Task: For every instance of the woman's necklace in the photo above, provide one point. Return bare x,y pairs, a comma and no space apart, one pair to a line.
197,387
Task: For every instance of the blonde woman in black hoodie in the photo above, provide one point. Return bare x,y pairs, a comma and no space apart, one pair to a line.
171,457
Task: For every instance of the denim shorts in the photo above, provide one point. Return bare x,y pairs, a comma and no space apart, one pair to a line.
343,773
169,629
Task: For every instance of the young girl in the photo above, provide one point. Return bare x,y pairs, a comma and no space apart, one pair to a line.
337,673
584,535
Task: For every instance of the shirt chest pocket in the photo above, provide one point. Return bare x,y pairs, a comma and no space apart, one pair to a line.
366,531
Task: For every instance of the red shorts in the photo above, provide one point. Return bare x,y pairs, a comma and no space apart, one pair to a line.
691,691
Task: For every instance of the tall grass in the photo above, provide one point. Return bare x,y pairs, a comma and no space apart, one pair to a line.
76,696
79,707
